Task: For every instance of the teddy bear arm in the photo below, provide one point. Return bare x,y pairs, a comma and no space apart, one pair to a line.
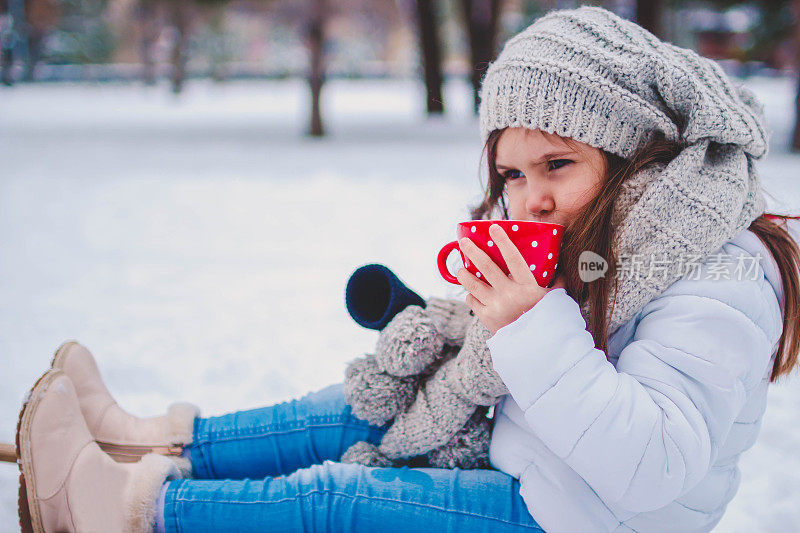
475,375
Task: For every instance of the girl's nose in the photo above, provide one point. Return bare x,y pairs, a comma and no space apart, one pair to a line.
539,202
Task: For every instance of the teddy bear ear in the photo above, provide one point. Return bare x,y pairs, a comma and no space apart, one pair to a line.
409,343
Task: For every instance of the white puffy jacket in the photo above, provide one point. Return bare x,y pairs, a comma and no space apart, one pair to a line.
648,441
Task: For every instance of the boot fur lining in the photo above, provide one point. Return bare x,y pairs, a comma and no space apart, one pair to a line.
181,417
148,477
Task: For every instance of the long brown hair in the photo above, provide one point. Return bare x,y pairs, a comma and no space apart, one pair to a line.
591,229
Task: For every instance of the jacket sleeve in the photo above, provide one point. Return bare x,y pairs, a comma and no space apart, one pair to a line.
643,433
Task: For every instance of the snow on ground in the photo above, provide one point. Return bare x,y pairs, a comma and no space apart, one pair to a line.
200,245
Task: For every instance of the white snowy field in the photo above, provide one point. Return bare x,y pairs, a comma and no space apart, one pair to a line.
199,246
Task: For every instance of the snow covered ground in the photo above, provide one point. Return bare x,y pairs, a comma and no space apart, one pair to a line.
200,245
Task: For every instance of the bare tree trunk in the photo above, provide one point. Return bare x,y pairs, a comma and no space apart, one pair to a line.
316,74
649,15
40,16
796,136
481,18
428,33
180,20
148,24
35,38
6,62
216,22
9,37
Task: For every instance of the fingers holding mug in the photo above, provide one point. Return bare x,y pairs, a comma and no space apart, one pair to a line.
477,288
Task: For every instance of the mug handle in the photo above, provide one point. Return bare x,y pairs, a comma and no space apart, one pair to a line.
441,261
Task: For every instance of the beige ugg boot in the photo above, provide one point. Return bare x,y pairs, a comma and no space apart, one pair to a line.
126,438
67,482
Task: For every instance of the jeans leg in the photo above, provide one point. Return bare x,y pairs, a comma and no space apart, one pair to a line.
280,438
352,498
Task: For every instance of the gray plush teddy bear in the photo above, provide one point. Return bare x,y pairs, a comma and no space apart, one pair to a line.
432,374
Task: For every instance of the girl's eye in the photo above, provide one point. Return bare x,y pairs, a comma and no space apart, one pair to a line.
512,174
553,164
558,163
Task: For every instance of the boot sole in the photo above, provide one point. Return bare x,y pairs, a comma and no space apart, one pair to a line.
58,356
30,519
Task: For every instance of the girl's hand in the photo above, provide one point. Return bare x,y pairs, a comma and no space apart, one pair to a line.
504,298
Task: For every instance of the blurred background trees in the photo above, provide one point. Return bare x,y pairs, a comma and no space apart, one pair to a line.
431,40
427,18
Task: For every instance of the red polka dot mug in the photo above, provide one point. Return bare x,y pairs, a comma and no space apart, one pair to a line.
538,242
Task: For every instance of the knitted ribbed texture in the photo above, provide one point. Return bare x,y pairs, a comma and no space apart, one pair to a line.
451,318
592,76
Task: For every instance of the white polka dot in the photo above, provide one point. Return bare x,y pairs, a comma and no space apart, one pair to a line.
550,256
555,267
514,227
490,243
555,231
478,274
474,229
534,244
544,274
533,267
466,263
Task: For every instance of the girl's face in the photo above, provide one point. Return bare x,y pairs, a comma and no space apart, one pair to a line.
546,179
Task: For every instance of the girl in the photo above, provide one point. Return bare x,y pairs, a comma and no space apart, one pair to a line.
631,396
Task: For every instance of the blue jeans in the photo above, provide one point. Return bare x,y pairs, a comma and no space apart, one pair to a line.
274,469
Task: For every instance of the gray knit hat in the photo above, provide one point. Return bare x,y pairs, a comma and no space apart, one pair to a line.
595,77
